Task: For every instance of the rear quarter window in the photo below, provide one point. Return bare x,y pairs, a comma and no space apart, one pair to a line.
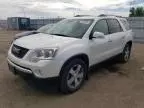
125,23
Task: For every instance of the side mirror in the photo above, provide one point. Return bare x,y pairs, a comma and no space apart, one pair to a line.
98,35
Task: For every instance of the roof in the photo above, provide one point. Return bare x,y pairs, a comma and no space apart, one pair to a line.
94,17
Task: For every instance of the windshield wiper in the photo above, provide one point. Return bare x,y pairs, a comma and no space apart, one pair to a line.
61,35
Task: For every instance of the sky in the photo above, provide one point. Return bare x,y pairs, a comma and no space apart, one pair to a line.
64,8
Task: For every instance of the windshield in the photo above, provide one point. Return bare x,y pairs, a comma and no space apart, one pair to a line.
71,28
45,28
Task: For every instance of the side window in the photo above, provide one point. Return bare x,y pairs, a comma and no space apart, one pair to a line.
101,26
114,26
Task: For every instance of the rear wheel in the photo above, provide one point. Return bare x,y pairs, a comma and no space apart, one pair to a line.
72,76
125,56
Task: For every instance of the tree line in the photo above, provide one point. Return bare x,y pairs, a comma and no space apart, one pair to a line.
136,12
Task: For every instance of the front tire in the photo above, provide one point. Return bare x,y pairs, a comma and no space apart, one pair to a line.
73,76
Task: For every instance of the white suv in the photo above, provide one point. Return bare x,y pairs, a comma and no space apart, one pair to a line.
69,48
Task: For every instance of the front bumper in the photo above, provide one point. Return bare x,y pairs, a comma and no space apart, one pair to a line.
16,69
42,69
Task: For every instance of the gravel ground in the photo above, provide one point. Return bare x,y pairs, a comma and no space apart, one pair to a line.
111,85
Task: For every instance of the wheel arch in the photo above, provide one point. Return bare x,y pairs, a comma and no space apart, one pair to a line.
130,43
83,57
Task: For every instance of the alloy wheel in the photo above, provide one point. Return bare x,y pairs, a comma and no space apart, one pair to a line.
75,76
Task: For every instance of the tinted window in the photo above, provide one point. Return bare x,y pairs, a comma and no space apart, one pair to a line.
114,26
126,24
101,26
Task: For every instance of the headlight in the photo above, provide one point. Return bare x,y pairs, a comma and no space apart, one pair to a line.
42,54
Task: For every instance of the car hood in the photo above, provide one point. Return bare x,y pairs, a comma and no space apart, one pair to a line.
25,33
43,41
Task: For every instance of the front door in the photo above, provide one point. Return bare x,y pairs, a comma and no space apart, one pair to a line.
99,47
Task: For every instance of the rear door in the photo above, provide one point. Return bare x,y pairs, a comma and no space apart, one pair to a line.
116,37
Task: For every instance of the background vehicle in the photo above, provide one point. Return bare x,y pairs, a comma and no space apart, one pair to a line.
69,48
26,33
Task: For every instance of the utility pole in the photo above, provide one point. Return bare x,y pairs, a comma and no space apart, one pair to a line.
132,3
23,11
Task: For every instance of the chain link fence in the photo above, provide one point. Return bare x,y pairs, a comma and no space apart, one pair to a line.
37,23
136,24
3,24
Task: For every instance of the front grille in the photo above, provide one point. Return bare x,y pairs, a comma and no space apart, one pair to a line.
19,51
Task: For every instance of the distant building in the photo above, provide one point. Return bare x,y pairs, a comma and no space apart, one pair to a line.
18,23
21,23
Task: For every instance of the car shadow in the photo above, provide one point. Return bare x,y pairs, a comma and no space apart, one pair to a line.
109,65
47,86
50,86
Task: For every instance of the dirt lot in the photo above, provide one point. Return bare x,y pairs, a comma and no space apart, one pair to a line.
111,85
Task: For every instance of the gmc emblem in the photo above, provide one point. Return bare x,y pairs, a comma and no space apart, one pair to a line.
16,50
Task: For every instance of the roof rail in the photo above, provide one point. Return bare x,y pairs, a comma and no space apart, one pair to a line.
105,15
82,15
